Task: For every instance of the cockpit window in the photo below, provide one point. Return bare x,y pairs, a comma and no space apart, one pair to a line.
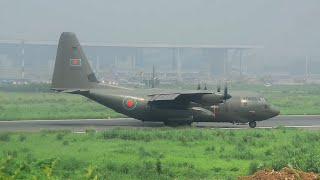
250,99
253,98
261,99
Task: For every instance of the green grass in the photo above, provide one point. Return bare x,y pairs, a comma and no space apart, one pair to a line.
163,153
30,105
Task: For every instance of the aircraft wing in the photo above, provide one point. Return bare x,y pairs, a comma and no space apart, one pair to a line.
180,97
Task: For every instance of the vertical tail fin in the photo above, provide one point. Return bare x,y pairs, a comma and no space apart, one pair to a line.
72,69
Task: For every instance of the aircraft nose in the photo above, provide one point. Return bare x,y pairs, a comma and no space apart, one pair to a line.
274,111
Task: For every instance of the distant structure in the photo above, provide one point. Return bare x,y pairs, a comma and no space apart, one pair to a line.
154,81
176,61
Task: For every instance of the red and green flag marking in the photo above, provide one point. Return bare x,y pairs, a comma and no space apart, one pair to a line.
129,103
75,62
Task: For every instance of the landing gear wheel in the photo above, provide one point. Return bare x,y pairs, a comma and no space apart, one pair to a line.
252,124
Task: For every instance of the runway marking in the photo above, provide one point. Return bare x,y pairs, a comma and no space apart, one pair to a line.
79,132
239,128
299,115
315,126
65,120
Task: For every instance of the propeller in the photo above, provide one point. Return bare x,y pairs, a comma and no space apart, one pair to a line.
205,87
219,88
225,92
199,86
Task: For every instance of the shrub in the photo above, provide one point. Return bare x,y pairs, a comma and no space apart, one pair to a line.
268,152
253,167
70,165
5,137
217,169
110,166
59,136
22,138
210,148
65,143
124,168
90,132
143,153
279,163
159,166
234,169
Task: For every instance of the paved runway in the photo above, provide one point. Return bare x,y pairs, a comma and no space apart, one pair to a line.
306,122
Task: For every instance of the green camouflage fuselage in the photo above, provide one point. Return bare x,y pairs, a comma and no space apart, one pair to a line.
234,110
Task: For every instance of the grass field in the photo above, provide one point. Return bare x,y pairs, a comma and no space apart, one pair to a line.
37,102
31,105
163,153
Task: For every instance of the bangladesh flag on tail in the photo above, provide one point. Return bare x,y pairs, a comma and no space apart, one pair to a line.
75,62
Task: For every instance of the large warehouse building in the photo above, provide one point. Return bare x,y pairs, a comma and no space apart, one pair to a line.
35,60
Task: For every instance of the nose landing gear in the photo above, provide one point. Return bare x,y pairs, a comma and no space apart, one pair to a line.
252,124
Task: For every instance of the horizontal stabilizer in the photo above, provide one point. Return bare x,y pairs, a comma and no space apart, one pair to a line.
72,91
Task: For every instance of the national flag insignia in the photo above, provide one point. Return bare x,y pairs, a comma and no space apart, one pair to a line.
74,50
75,62
129,103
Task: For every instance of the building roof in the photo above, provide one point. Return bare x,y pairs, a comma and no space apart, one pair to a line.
137,45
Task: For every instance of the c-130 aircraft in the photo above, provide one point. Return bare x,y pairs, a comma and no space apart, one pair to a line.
73,74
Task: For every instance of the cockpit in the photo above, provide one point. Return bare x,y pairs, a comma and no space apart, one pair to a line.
256,107
253,99
261,99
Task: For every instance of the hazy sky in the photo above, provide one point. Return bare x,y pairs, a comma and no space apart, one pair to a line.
271,23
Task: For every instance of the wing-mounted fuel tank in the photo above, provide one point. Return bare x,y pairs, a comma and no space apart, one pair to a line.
202,115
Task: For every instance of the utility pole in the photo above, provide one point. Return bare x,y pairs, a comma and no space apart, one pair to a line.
153,77
240,65
98,66
22,59
307,68
225,63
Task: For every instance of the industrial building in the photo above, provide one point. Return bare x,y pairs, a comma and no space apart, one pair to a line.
35,60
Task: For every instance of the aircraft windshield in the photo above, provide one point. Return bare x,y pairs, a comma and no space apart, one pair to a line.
260,99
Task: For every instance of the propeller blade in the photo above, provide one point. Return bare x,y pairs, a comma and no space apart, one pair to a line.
225,93
205,87
219,88
199,86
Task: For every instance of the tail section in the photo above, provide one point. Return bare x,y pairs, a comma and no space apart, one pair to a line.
72,70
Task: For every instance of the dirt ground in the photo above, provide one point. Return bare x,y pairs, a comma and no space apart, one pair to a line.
284,174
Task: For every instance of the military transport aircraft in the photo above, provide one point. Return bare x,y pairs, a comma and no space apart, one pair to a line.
73,74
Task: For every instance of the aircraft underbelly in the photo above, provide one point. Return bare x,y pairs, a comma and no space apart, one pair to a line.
157,114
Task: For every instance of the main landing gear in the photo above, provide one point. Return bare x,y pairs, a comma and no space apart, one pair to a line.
252,124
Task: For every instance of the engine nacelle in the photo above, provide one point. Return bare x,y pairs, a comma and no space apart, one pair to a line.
202,115
211,99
